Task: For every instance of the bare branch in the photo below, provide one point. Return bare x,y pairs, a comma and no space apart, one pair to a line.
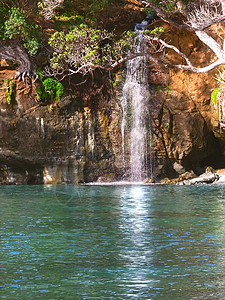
48,7
203,15
211,43
200,16
166,45
200,70
189,66
87,49
126,58
164,17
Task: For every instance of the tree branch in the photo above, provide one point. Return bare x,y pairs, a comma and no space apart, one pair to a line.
211,43
189,66
17,54
163,43
205,14
48,7
199,17
165,18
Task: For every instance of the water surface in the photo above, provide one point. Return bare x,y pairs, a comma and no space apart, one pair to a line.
112,242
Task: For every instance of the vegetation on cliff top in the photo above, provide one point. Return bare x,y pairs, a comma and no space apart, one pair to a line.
67,32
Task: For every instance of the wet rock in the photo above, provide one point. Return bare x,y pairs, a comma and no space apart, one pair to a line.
3,176
183,177
186,176
166,181
178,168
150,180
205,178
47,178
107,178
221,180
71,142
221,174
209,169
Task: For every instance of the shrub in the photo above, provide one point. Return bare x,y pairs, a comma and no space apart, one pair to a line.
16,26
52,89
9,91
83,49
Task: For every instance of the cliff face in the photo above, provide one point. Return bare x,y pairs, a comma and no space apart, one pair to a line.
185,117
67,142
78,139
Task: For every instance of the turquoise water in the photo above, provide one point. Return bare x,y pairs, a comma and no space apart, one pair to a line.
112,242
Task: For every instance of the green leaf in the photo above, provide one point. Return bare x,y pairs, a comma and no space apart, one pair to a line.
168,88
214,95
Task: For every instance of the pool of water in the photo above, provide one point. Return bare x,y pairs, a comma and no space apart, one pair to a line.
112,242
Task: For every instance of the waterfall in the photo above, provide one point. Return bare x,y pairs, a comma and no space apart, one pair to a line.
135,127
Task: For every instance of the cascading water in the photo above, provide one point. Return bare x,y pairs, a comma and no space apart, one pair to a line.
135,120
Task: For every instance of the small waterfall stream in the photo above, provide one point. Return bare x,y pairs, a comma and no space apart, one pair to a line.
135,119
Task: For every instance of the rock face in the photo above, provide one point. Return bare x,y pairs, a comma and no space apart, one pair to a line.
205,178
182,110
79,138
67,142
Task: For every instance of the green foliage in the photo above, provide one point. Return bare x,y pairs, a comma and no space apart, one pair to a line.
70,13
168,88
148,11
9,92
69,19
52,89
164,88
39,72
221,80
96,6
84,48
155,31
41,95
159,87
32,45
3,17
214,95
168,6
221,75
15,26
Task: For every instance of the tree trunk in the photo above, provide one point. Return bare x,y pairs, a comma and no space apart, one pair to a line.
17,54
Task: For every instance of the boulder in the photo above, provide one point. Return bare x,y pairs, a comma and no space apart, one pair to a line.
221,174
107,178
205,178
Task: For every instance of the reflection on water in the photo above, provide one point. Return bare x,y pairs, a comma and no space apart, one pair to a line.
112,242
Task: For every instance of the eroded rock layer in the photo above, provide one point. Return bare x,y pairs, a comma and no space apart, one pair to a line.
78,139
